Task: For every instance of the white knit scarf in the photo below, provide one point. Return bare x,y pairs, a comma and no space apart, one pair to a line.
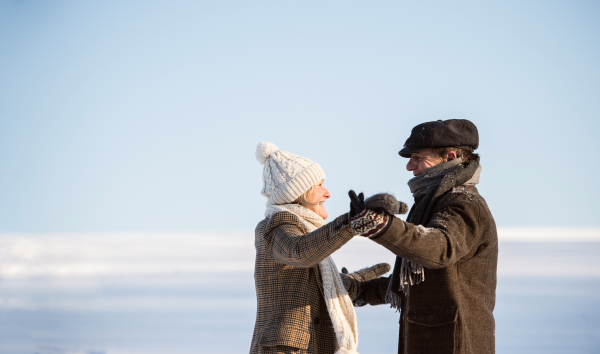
338,302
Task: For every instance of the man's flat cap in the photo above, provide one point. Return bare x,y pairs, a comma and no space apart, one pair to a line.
459,133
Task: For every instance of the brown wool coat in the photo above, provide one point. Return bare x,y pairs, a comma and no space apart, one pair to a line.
451,311
291,313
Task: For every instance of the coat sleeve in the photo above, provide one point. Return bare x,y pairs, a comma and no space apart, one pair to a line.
289,243
451,234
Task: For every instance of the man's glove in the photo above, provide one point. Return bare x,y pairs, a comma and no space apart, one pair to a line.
385,202
364,221
353,281
357,203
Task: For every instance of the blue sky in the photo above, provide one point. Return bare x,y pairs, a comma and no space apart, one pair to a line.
144,116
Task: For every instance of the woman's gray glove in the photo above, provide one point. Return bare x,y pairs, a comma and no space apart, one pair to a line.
353,281
385,202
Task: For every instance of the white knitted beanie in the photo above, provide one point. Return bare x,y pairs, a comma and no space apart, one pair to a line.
286,176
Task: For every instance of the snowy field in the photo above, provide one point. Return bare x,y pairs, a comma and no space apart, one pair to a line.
194,293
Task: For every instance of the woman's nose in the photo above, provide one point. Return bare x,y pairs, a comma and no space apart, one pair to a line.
326,195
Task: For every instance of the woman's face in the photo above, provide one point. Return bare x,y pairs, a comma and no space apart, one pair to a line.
317,198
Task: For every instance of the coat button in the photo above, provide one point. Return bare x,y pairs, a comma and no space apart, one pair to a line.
317,320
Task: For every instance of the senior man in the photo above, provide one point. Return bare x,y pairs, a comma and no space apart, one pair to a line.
444,280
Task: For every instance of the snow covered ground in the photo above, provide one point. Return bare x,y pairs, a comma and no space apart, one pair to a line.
194,293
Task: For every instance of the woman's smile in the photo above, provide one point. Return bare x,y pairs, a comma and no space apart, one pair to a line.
316,199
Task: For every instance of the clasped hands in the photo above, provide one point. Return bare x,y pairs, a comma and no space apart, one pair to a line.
382,203
379,203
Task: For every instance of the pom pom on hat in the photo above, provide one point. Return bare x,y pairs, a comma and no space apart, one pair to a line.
263,150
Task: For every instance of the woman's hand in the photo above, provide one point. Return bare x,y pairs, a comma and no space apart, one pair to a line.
357,203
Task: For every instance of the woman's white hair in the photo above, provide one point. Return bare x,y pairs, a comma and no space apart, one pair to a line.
302,199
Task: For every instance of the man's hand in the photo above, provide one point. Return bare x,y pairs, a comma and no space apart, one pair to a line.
385,202
353,281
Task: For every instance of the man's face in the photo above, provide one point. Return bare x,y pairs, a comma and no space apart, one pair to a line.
421,161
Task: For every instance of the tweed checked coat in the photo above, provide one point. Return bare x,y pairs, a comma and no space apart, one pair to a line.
451,311
292,315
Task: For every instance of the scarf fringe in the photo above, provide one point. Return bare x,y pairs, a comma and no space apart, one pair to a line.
392,298
410,274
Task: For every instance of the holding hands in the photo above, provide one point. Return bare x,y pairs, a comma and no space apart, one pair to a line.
370,217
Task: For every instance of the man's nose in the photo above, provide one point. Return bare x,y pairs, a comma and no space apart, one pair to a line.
410,166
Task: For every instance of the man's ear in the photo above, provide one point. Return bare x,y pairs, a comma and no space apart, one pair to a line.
451,155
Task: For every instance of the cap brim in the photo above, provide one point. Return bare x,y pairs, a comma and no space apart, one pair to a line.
405,152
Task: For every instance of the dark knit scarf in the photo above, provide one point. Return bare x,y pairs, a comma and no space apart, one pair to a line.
427,190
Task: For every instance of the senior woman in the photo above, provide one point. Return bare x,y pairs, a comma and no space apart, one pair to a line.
303,304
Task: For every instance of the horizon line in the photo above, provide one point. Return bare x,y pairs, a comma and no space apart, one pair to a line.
505,233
